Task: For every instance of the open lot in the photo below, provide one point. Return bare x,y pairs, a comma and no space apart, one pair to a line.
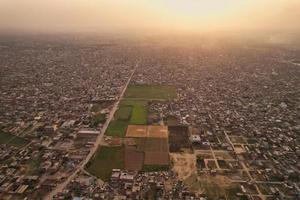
150,92
106,159
184,164
215,187
178,138
12,140
18,142
5,137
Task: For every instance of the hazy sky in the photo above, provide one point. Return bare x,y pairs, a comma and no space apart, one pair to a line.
156,15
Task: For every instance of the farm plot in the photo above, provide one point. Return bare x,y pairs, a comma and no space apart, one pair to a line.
150,92
156,150
106,159
139,111
133,159
178,138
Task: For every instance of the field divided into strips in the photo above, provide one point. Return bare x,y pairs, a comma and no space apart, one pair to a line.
142,131
129,112
12,140
133,110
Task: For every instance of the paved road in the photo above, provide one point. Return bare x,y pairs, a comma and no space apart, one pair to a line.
61,186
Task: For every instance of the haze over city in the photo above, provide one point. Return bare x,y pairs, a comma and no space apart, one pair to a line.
69,16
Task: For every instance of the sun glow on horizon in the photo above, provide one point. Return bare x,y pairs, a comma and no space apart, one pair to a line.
99,15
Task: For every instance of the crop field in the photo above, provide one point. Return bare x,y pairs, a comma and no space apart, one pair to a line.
156,158
152,144
139,111
117,128
106,159
178,138
123,113
140,131
133,159
150,92
136,131
156,150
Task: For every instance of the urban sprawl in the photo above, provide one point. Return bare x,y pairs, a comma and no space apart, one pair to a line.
149,119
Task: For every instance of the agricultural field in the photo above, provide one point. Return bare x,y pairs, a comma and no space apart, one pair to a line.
117,128
106,159
139,111
178,138
155,149
150,92
123,113
133,159
129,112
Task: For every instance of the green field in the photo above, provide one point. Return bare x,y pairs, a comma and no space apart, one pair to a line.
12,140
106,159
124,113
117,128
150,92
139,111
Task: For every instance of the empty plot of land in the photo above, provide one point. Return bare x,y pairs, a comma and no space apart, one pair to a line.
237,139
141,131
12,140
184,164
133,159
149,92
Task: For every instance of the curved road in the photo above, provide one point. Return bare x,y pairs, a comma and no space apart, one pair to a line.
59,188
